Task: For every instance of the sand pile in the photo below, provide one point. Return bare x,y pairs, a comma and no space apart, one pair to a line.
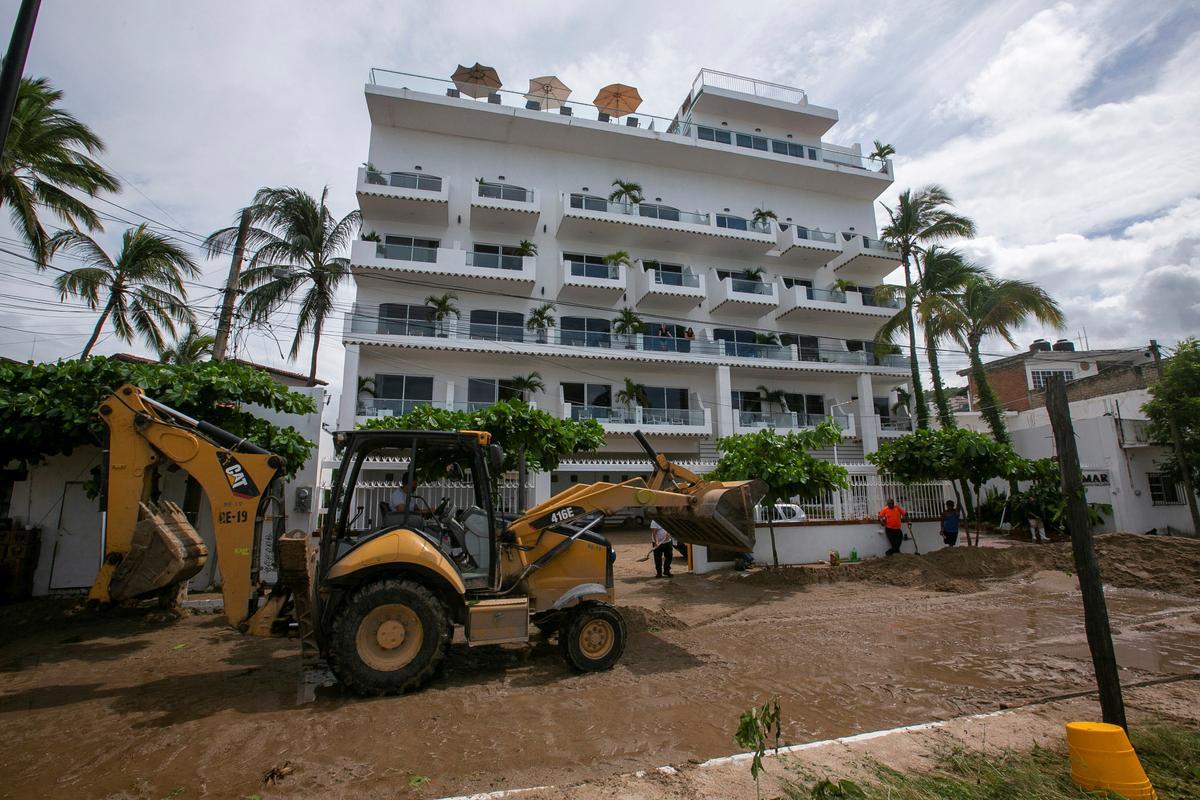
639,619
1152,563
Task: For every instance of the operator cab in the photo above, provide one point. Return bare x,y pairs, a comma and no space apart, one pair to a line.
438,485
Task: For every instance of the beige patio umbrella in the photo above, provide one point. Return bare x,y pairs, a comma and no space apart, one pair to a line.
617,99
477,81
549,91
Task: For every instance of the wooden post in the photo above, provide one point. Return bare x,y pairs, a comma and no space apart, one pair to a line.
1095,613
225,322
1181,456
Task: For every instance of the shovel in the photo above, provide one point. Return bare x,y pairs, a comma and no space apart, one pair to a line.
646,557
914,539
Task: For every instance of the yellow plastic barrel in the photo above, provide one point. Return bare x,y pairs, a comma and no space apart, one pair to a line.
1103,758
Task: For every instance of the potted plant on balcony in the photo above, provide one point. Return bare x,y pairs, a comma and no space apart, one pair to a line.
366,386
615,261
526,249
882,153
541,319
776,397
841,286
372,236
440,308
762,218
629,325
628,192
754,274
373,175
524,385
632,395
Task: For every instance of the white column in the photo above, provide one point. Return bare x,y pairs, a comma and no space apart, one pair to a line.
349,400
449,392
868,420
541,487
724,409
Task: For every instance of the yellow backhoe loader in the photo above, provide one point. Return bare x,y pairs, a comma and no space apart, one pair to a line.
381,602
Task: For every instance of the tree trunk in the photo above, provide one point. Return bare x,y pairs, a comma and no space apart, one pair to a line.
316,351
989,405
771,527
87,348
939,389
918,392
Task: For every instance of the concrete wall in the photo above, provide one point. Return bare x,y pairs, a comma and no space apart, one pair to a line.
809,543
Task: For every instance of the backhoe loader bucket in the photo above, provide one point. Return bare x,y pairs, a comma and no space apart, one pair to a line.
165,550
723,516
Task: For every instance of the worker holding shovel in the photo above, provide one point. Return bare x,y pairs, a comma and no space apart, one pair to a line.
892,517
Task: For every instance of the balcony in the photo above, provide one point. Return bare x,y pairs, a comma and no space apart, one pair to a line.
504,207
587,217
451,267
805,247
751,421
409,197
695,421
667,289
1135,433
865,260
806,304
891,427
743,296
585,282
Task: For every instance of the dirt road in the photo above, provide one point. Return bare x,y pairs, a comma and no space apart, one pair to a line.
127,707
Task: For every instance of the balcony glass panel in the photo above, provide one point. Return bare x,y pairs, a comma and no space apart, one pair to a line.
677,278
602,271
672,416
504,191
406,252
372,406
615,414
895,423
671,214
405,180
494,260
747,286
753,350
497,333
815,236
826,295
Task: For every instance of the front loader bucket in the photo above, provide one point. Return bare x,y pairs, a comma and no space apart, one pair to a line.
723,516
165,551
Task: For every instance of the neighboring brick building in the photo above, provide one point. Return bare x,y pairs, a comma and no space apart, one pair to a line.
1019,381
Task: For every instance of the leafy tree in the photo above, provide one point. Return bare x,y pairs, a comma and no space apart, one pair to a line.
989,306
541,319
784,463
626,192
947,454
50,409
193,346
531,438
942,281
917,220
142,290
48,154
1177,392
296,242
441,307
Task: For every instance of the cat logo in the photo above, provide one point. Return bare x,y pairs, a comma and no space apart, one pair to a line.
239,482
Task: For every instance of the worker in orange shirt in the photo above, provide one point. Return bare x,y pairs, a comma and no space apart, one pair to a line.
892,517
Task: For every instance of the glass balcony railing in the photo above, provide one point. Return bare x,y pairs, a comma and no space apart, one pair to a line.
896,423
494,260
672,416
892,299
588,202
498,333
750,286
675,344
388,406
742,224
779,419
406,252
619,415
776,352
826,295
505,191
815,236
405,180
670,214
689,279
606,272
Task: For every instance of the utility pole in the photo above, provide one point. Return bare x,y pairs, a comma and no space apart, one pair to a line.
14,65
235,269
1095,612
1181,458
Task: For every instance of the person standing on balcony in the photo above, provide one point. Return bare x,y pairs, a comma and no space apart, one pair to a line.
660,541
892,517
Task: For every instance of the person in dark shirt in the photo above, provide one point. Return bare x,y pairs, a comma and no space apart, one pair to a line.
950,521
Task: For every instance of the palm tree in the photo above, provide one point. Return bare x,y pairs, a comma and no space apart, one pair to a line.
527,384
767,338
144,285
632,394
774,396
47,153
366,385
845,284
991,306
882,153
626,192
296,242
540,319
754,274
903,401
620,258
441,307
191,348
942,281
526,248
761,216
920,219
628,324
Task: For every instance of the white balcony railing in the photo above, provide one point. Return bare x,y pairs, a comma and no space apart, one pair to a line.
443,261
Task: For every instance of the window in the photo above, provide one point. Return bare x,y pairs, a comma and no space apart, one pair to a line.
1040,377
666,397
733,222
1164,491
483,392
498,326
792,282
714,135
495,256
751,142
746,401
809,347
589,266
669,213
811,404
408,248
588,400
585,331
405,320
399,394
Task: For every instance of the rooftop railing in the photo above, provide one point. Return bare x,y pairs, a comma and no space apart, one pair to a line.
738,83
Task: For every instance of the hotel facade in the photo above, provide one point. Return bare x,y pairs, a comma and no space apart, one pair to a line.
452,186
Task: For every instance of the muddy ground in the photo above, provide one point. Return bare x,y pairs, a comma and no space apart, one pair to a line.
127,705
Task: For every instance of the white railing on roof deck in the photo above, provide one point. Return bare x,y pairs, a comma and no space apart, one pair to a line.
739,83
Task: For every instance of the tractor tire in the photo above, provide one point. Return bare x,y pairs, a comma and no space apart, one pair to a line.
388,638
593,637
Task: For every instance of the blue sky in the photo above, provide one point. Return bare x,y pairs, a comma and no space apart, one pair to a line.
1066,130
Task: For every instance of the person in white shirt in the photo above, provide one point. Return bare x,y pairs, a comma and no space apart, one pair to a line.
401,495
660,540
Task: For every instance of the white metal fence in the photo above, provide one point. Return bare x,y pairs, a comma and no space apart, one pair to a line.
366,507
867,494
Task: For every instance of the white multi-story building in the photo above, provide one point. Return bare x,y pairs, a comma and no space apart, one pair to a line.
452,187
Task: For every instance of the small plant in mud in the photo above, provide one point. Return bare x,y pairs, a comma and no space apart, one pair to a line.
754,728
827,790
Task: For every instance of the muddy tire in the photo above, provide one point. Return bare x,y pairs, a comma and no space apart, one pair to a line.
593,638
389,637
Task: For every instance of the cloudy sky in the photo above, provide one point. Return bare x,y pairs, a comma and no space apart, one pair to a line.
1068,131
